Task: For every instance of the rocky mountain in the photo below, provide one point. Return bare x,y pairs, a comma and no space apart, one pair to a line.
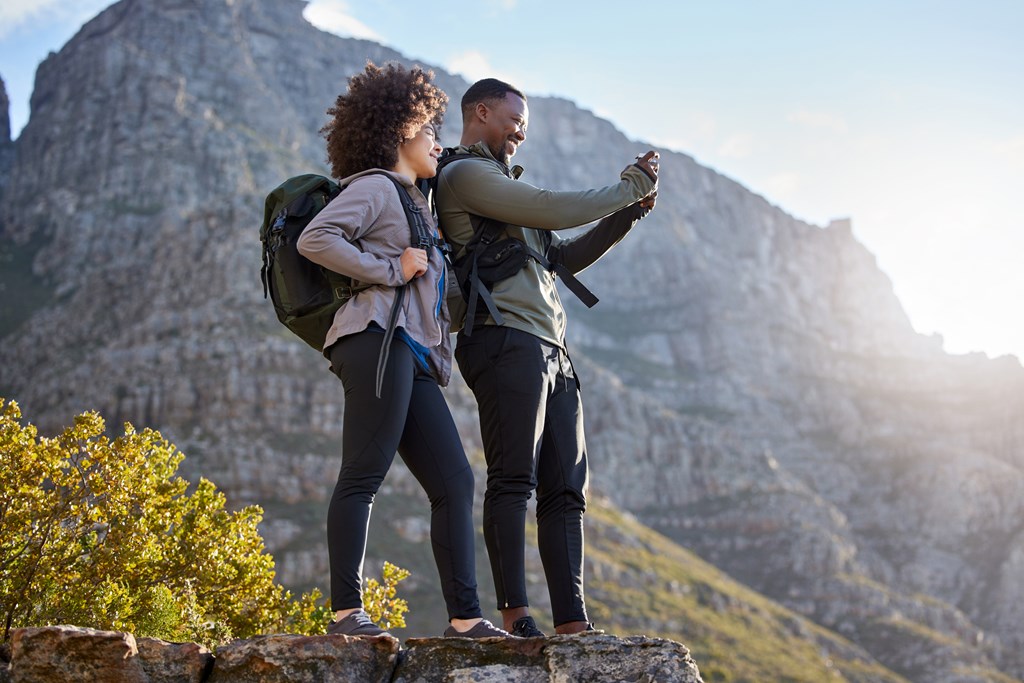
754,390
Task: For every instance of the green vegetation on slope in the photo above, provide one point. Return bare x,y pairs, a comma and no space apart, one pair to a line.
641,582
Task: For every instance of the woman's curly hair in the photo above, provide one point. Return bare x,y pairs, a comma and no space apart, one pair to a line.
376,114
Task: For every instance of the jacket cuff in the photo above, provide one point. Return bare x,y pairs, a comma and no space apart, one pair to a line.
647,173
395,277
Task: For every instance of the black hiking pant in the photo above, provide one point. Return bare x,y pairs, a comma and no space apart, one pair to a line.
531,420
412,418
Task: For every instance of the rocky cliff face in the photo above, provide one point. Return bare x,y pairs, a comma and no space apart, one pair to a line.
6,146
754,389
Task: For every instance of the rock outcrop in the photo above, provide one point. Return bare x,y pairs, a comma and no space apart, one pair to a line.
754,390
68,653
6,145
74,655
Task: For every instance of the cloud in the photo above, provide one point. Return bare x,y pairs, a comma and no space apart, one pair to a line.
738,146
818,119
1009,150
693,132
473,65
782,184
14,12
334,16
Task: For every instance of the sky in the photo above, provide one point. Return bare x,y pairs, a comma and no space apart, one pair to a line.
906,116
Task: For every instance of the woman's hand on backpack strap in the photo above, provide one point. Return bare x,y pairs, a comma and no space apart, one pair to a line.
414,263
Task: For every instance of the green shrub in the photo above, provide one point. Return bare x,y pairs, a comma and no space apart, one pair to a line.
103,533
380,599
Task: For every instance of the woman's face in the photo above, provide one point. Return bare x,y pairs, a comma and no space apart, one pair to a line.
419,153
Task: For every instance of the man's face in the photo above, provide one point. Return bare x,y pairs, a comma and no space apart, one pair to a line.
505,128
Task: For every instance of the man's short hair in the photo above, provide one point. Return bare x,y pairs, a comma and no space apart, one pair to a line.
487,90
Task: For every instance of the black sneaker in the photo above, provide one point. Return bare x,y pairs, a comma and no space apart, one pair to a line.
526,627
356,624
484,629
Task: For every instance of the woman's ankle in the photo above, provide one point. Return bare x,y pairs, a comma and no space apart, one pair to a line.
463,625
342,613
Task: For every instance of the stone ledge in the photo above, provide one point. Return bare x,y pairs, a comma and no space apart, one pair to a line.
70,653
592,657
285,657
73,654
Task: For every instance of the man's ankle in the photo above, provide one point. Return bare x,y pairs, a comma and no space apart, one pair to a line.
509,616
571,627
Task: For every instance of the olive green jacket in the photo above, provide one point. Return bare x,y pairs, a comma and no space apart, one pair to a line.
484,187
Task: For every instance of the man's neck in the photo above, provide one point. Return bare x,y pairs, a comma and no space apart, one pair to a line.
470,137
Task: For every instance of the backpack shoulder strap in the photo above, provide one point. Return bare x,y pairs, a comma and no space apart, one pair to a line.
422,237
485,229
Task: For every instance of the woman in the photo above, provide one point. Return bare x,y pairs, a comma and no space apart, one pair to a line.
388,120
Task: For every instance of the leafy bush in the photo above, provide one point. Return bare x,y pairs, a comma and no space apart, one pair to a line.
380,599
102,533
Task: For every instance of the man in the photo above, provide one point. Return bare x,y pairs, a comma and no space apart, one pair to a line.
516,363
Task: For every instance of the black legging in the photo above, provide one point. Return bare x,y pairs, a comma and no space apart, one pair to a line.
411,417
531,420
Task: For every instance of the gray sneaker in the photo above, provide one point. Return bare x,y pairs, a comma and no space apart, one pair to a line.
484,629
356,624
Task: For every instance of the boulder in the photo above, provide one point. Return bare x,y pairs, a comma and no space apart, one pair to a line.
166,662
592,657
284,658
70,654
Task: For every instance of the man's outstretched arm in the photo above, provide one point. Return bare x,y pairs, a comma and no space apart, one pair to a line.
482,189
583,251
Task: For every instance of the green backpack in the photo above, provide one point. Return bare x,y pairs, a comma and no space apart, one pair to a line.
306,295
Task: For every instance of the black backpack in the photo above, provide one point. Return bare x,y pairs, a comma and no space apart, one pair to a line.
488,258
306,295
